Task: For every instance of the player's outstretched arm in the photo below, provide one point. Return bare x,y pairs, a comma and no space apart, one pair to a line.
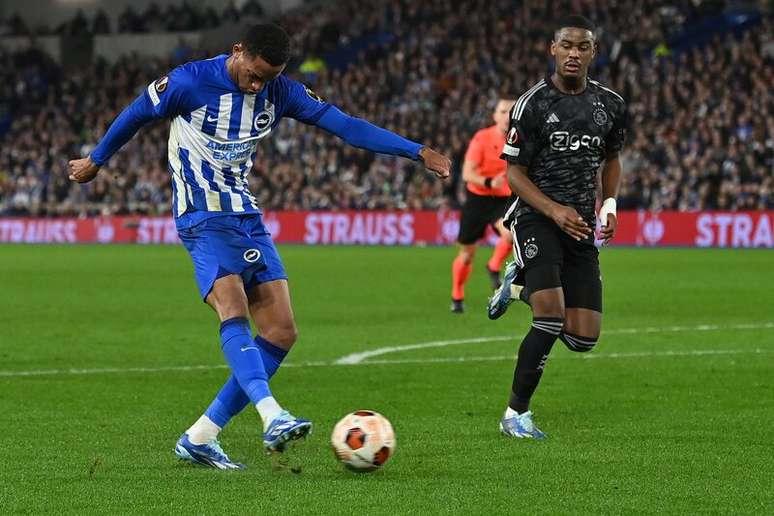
137,114
565,217
365,135
611,178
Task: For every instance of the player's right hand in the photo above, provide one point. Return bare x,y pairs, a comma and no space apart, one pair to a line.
570,222
82,170
435,162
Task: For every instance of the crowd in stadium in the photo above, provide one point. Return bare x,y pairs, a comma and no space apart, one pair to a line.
700,136
185,16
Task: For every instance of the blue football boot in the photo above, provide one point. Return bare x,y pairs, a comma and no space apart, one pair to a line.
506,294
210,454
283,429
521,426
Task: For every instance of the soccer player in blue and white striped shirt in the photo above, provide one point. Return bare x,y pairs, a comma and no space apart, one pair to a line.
220,108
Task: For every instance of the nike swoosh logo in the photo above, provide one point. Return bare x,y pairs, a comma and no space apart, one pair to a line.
212,119
248,348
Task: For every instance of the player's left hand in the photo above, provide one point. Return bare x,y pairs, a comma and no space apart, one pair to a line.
608,229
435,162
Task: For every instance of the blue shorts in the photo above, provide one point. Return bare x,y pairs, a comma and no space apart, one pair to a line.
232,244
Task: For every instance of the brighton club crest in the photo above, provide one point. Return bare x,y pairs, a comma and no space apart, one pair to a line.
263,120
251,255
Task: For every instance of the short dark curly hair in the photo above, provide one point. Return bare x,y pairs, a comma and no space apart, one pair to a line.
575,20
269,41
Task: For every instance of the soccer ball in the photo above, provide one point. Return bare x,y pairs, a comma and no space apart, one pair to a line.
363,440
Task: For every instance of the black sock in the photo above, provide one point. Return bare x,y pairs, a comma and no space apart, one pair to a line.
533,354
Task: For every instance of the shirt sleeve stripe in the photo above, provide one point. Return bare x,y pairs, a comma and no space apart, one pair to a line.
596,83
522,103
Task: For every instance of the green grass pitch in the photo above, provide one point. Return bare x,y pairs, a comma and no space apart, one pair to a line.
672,413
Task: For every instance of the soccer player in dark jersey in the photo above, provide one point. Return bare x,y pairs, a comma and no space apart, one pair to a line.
562,131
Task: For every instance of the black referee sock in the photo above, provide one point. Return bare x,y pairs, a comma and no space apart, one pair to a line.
533,354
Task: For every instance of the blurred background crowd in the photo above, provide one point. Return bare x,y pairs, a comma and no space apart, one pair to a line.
701,134
172,17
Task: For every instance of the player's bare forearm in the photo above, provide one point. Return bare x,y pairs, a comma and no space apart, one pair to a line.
522,186
128,122
565,217
611,177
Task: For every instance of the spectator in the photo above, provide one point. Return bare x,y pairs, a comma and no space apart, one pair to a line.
252,8
101,24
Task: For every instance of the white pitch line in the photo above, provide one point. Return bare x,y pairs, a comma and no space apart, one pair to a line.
398,361
434,344
356,358
111,370
573,356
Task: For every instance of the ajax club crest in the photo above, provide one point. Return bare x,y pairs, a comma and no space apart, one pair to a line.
599,115
530,248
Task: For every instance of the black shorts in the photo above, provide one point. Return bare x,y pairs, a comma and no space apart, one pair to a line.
478,212
557,259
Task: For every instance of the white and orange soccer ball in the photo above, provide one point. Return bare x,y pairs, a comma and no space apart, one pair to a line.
363,440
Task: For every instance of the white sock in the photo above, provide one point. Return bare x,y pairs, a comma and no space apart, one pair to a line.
509,413
203,431
269,409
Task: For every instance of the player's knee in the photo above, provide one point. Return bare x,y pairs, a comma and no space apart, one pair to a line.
229,308
283,335
226,312
228,299
578,343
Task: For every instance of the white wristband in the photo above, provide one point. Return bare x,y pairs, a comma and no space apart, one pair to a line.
608,206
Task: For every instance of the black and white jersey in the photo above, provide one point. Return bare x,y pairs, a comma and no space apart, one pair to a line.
563,139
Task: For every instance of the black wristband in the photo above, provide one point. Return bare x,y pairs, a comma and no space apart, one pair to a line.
488,182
